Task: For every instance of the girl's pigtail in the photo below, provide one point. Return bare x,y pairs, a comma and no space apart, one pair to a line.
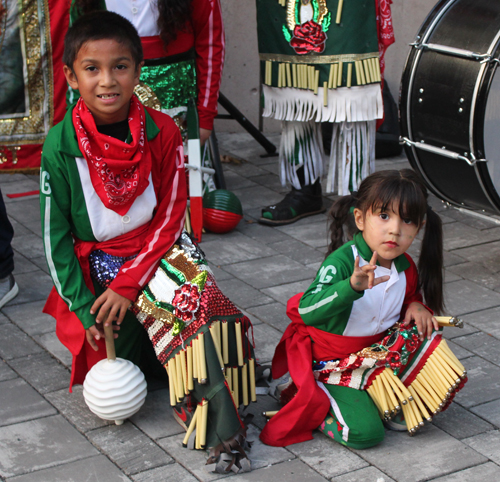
430,263
340,221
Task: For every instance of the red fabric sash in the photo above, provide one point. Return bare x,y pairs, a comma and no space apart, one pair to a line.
298,347
119,171
69,328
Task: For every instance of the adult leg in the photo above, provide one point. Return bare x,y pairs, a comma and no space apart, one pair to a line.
8,286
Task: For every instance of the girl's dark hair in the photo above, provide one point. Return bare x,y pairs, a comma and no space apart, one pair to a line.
405,188
173,15
99,26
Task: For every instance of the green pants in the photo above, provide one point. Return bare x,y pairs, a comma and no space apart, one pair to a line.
353,420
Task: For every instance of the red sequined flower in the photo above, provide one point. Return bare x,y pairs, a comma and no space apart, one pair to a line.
308,37
394,360
412,343
186,301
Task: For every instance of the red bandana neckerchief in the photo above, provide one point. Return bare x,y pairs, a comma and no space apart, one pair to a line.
119,171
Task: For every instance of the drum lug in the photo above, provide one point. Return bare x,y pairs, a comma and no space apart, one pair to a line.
469,158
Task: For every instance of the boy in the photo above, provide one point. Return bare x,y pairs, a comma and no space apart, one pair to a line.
127,200
112,179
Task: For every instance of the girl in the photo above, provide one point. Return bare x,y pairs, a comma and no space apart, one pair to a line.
363,288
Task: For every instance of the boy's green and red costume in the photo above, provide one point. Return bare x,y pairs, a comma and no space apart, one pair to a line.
330,322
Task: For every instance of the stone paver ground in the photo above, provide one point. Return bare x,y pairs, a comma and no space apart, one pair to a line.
49,435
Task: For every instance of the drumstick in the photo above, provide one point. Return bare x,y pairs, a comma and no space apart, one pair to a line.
191,427
189,353
253,391
239,343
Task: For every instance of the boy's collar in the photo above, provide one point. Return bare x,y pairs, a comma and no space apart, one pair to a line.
69,143
366,253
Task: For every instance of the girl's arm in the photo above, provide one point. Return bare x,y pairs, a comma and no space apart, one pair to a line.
209,46
169,179
55,209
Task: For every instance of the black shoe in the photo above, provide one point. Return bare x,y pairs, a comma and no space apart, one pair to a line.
297,204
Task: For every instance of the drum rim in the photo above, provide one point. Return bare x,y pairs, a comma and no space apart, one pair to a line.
477,110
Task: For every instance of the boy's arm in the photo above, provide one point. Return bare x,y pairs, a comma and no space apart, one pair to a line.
168,220
55,206
330,296
209,46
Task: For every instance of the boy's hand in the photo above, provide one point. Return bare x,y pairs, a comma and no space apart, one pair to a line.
364,278
96,332
111,306
423,319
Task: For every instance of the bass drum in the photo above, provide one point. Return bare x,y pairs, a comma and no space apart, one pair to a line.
450,103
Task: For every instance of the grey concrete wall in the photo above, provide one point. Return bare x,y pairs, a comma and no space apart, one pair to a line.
240,82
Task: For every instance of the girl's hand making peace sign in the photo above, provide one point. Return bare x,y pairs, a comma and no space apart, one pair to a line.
364,277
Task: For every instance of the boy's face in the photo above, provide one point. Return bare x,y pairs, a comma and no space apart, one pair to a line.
105,74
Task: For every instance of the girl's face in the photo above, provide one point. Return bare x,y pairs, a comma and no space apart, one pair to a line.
386,233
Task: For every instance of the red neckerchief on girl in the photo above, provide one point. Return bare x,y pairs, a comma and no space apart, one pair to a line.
119,171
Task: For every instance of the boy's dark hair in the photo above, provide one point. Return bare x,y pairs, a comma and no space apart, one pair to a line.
99,26
407,190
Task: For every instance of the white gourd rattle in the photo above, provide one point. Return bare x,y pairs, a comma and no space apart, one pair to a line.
114,389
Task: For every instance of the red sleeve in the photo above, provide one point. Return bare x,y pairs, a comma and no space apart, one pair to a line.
412,292
169,182
209,46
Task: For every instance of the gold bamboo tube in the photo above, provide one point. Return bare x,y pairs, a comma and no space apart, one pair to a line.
191,427
202,358
268,75
299,76
356,71
229,378
180,378
283,75
203,424
330,77
312,76
383,400
444,320
236,387
189,355
216,324
171,385
379,72
408,415
279,76
253,391
316,81
239,343
225,346
373,395
325,93
288,75
349,74
371,65
178,389
340,73
197,444
405,393
451,373
196,363
389,392
244,383
294,75
305,71
451,363
335,76
451,355
182,359
270,413
419,402
187,222
395,387
339,11
366,67
421,379
425,395
437,390
213,332
362,72
438,374
439,386
376,69
309,81
417,416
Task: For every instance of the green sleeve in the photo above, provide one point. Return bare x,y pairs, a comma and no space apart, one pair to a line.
327,303
55,207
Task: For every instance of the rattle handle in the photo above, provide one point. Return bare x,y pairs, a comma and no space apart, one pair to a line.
110,342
